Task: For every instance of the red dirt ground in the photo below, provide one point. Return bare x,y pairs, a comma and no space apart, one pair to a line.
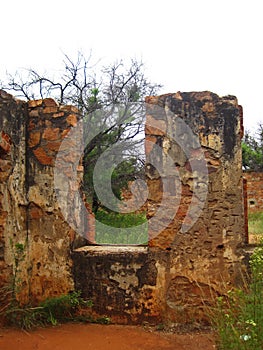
100,337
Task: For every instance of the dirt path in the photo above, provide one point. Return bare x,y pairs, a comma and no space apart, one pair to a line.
98,337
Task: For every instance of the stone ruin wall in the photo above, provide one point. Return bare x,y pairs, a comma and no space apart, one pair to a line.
254,184
31,135
208,253
189,262
181,268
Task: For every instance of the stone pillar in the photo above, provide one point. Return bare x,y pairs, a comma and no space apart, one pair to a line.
50,233
195,204
32,134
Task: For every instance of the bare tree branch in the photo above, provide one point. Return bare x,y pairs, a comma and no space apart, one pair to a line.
112,105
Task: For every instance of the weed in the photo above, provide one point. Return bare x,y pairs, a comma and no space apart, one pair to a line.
238,316
18,251
63,308
102,320
52,311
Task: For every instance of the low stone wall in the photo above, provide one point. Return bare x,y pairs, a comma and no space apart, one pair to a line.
122,282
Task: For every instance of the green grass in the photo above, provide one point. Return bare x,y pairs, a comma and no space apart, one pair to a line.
255,223
123,229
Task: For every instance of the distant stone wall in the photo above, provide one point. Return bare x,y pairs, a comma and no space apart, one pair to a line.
254,191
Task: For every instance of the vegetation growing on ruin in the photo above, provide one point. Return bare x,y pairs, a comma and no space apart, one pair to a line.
64,308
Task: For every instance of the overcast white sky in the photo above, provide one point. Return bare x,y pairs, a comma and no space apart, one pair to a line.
187,45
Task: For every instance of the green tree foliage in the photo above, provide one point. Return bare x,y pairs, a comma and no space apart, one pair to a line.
252,150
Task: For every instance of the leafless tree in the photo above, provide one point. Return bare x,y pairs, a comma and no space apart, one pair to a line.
110,100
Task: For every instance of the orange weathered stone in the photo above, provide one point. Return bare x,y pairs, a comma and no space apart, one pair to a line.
34,113
42,156
50,110
4,165
51,134
162,281
214,162
5,142
149,142
72,120
49,102
71,109
208,107
35,103
35,212
151,99
34,139
31,125
53,146
254,191
80,168
65,132
155,188
3,217
58,115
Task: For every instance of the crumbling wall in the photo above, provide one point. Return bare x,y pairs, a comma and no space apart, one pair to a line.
31,136
195,209
195,217
198,136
